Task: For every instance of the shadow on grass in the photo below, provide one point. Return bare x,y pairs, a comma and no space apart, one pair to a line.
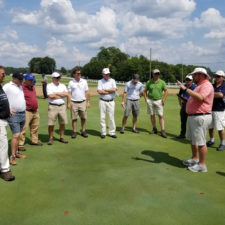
43,137
161,157
220,173
68,132
129,129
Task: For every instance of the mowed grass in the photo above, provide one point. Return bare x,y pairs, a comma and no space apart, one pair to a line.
136,179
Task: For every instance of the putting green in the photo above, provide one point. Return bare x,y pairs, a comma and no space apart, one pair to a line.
136,179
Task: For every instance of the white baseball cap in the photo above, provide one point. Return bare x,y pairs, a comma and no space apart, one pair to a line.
105,71
200,70
55,74
189,76
156,71
220,73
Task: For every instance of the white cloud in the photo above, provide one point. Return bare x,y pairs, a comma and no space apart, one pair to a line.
55,48
8,33
59,17
156,8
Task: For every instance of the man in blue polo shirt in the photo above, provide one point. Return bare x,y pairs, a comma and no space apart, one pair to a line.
183,96
218,113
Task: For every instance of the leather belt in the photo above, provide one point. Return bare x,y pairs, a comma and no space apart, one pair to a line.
133,100
106,100
79,101
55,104
199,114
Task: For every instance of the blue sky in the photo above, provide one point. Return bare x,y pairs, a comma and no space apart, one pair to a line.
72,31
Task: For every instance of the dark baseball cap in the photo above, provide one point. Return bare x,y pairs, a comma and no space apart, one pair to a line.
18,75
135,77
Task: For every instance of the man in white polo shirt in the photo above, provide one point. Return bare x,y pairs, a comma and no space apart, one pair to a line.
17,104
57,92
132,91
106,89
79,100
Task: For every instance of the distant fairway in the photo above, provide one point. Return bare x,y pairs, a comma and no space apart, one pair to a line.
136,179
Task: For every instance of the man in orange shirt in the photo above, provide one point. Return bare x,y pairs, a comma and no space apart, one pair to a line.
199,109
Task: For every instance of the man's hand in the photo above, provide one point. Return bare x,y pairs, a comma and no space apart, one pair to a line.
181,85
122,104
68,106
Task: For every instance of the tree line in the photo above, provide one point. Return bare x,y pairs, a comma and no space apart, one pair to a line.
121,65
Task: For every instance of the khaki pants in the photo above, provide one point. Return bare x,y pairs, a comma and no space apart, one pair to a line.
107,108
32,121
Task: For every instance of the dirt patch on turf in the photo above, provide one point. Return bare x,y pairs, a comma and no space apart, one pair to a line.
93,91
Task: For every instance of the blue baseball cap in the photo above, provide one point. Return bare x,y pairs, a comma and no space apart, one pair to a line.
29,76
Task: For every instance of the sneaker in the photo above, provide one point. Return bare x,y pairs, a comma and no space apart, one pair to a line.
122,131
37,143
63,140
84,134
209,143
190,162
74,135
198,168
135,131
221,148
102,136
21,148
113,136
20,156
12,160
7,176
50,142
154,131
163,134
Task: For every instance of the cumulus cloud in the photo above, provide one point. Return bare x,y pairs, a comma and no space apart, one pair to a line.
55,48
60,18
156,8
8,33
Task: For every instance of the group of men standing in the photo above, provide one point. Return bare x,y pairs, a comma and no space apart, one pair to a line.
202,106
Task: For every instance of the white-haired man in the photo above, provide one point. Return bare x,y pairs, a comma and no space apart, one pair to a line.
218,115
57,92
106,90
199,109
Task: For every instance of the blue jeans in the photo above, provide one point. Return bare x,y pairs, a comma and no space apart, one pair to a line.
17,121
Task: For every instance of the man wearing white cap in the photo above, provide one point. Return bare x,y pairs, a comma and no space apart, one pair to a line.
106,90
183,96
218,115
199,109
57,92
155,96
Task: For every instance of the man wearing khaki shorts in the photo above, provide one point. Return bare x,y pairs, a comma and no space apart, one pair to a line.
79,100
199,109
57,92
155,95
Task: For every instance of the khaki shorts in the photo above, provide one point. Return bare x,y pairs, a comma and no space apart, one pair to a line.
55,112
132,105
78,110
218,120
197,129
154,107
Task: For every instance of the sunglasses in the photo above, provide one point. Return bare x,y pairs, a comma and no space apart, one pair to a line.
3,74
58,78
187,80
217,76
156,73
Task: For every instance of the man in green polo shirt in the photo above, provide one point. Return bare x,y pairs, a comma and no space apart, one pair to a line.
155,95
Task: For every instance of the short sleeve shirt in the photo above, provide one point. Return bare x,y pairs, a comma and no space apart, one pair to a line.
15,96
106,85
52,89
78,89
195,106
218,103
155,89
133,90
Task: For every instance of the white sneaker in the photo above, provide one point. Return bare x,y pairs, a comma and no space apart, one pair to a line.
198,168
190,162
